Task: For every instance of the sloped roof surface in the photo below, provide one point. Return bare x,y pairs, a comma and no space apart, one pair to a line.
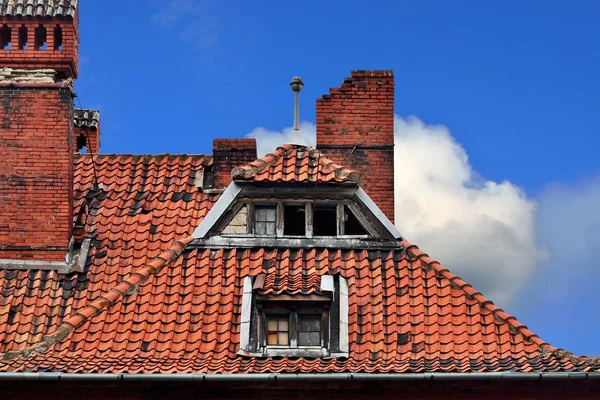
149,301
292,163
38,8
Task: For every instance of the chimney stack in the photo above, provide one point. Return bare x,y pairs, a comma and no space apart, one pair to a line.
228,154
355,127
38,62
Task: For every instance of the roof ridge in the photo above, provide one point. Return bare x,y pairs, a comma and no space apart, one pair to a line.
499,313
251,169
98,306
256,167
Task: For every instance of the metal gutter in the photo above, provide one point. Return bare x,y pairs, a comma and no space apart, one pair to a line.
304,377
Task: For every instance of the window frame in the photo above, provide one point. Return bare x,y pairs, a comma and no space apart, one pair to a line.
342,207
294,310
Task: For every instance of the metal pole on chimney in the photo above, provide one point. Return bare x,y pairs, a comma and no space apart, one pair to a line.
297,85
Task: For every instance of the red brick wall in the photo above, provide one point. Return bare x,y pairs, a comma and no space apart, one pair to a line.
65,59
36,172
355,127
228,154
91,137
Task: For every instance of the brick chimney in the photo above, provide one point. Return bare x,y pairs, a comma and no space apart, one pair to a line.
355,127
86,131
228,154
38,62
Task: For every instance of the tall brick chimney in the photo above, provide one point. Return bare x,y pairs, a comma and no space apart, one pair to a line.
38,62
228,154
355,127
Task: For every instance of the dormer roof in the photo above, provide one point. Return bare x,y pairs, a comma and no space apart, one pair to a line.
295,163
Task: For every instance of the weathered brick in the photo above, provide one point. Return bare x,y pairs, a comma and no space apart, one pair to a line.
355,127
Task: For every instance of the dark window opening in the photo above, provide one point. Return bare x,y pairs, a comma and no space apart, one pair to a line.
40,38
325,220
58,38
23,44
309,330
278,330
294,220
5,38
81,142
265,218
351,224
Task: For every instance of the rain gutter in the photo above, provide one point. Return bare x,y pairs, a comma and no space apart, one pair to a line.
278,377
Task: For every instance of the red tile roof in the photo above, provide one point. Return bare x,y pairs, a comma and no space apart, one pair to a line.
293,163
147,303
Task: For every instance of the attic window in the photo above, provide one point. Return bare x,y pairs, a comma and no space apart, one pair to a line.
5,38
304,325
352,226
294,220
265,220
325,220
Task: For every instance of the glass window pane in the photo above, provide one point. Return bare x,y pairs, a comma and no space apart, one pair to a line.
261,228
272,325
270,228
314,338
303,339
309,323
283,325
283,338
261,213
271,214
272,339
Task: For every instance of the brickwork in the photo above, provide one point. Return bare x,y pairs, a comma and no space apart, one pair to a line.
355,128
64,59
228,154
36,172
88,137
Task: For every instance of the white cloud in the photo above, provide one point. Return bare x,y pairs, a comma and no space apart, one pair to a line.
268,140
483,231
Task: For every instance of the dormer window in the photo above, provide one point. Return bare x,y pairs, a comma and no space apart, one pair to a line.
313,323
291,219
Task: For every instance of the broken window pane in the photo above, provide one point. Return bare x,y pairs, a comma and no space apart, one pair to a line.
294,220
325,220
351,224
309,330
265,220
278,330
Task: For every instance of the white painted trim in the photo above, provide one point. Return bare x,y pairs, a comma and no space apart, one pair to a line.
327,283
344,346
370,204
216,212
246,314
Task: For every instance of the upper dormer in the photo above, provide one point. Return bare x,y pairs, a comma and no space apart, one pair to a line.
41,35
296,197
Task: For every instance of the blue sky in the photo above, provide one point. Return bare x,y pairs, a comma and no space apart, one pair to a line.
515,83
